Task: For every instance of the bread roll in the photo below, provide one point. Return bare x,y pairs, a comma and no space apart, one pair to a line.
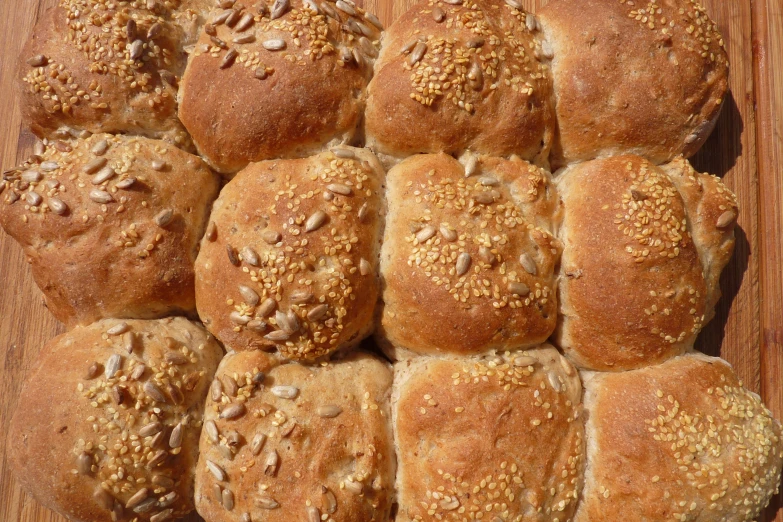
679,441
277,80
468,262
645,78
110,224
290,257
290,442
461,75
107,427
632,288
102,66
496,438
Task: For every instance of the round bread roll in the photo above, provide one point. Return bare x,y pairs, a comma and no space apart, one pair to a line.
107,427
645,78
290,257
632,279
292,442
278,80
458,75
468,262
497,438
679,441
99,66
110,224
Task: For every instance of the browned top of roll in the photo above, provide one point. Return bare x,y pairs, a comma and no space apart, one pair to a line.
277,80
468,262
682,440
290,257
498,437
632,290
646,78
111,224
462,75
104,67
109,422
291,442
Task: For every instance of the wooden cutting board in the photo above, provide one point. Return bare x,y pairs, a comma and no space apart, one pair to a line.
746,149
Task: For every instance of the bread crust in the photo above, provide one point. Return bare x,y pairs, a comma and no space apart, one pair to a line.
488,436
682,439
83,455
632,291
87,238
494,98
292,102
79,71
632,81
330,442
327,276
427,306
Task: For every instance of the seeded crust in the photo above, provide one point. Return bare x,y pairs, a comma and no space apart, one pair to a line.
679,441
428,308
122,258
507,108
645,78
77,71
259,263
712,217
70,440
473,437
264,104
632,292
326,453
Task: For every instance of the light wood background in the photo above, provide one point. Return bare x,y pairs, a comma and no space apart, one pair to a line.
746,149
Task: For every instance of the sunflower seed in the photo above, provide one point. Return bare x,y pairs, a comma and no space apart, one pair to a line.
339,188
229,58
113,365
277,336
218,42
267,307
530,22
162,515
118,394
49,166
373,20
261,73
228,499
233,411
233,257
271,462
32,176
301,296
266,502
364,267
33,198
84,464
354,487
475,43
162,481
154,391
221,17
312,6
463,263
38,60
100,196
317,312
244,39
554,381
103,498
211,233
484,198
425,233
167,500
153,428
453,2
136,49
313,515
517,288
528,264
137,372
638,195
449,504
279,8
486,255
448,234
140,496
251,298
345,7
489,181
515,4
256,325
230,386
244,22
285,392
546,50
154,31
726,219
103,175
216,470
125,183
471,163
343,153
270,237
131,30
418,53
567,368
438,15
100,148
315,221
367,46
176,358
275,44
157,458
525,360
293,321
329,411
233,18
93,371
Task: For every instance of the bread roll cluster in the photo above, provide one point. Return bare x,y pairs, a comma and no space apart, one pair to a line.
503,199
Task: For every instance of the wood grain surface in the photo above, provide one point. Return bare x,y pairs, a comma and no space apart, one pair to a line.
746,149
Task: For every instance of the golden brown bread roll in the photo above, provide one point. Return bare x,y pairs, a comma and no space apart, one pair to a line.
632,279
634,77
290,257
280,79
457,75
102,66
107,427
679,441
494,438
110,224
468,262
290,442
